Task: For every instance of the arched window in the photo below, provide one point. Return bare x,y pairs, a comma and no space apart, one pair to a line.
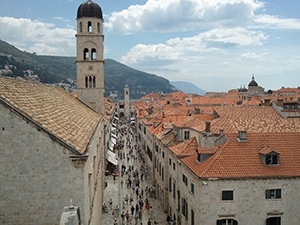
94,81
94,54
90,81
86,82
80,27
90,28
98,27
86,54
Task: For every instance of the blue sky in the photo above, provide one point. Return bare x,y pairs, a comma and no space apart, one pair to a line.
216,44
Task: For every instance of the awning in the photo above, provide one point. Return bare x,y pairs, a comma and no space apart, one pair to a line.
132,118
111,157
112,134
116,118
114,124
111,146
113,140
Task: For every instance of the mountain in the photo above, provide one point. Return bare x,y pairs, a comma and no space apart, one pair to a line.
187,87
60,70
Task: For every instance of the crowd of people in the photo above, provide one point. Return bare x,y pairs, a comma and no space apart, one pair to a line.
134,205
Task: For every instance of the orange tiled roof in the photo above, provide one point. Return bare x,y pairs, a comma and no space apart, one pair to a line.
254,119
242,159
185,148
53,109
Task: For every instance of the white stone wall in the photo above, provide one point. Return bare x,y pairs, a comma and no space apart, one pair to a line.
249,205
38,178
94,178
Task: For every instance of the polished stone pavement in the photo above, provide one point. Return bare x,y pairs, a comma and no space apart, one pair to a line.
115,192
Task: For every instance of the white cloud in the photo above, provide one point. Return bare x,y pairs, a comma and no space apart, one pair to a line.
43,38
216,40
187,15
183,15
60,18
253,55
273,22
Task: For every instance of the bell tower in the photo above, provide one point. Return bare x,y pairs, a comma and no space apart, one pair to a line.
126,101
89,55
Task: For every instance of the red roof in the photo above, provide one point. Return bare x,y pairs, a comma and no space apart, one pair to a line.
243,160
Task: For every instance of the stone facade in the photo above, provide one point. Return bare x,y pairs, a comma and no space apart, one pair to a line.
249,198
90,62
39,175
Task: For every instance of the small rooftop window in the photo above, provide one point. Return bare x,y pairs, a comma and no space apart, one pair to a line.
272,159
269,157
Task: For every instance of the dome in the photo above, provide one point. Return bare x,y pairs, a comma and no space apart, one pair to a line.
252,82
89,9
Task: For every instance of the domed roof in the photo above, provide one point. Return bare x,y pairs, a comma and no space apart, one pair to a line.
89,9
252,82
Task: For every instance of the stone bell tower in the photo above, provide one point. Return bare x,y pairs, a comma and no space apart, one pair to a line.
126,102
90,62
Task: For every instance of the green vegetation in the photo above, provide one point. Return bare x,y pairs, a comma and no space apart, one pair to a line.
58,69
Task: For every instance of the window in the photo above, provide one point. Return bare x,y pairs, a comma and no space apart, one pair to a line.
149,153
273,221
163,154
174,191
159,169
86,54
90,82
162,173
227,195
80,27
170,184
94,81
184,208
186,135
170,161
185,179
174,166
192,217
192,188
98,27
272,159
94,54
86,82
273,193
90,27
227,222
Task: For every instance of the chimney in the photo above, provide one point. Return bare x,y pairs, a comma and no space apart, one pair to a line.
207,126
242,137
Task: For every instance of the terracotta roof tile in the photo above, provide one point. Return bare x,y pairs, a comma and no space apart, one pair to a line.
54,109
242,159
185,148
255,119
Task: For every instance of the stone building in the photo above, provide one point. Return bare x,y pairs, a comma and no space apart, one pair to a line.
125,108
90,62
228,165
52,148
254,88
52,144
